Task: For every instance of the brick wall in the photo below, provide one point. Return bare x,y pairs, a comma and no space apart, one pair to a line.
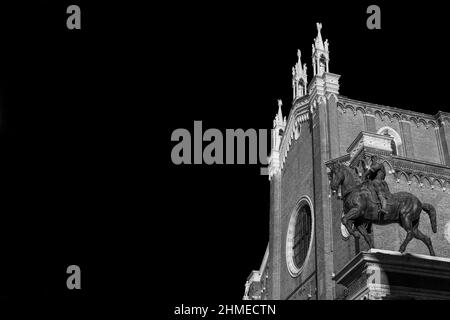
425,137
351,123
296,182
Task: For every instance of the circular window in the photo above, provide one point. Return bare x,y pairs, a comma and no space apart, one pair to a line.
299,236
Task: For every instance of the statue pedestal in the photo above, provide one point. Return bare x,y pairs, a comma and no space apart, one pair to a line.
390,275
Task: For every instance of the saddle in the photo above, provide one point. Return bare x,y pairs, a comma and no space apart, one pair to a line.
375,200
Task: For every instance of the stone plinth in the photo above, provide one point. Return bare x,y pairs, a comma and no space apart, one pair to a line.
390,275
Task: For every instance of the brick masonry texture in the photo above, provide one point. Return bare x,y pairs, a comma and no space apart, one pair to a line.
296,182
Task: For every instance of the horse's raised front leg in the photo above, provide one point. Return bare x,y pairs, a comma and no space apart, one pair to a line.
351,215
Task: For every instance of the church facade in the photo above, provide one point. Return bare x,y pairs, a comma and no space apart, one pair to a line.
310,254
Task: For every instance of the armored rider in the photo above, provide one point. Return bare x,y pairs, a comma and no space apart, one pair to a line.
377,173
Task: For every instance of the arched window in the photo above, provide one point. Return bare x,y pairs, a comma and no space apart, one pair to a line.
301,88
322,65
396,142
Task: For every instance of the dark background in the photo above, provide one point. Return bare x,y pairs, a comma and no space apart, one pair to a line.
87,117
70,177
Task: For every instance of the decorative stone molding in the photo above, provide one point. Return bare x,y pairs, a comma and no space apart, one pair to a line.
353,109
299,115
435,175
382,275
391,114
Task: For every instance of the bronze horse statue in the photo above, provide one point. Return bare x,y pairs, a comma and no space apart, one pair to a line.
360,209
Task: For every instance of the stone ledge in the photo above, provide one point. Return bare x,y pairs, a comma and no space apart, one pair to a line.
382,274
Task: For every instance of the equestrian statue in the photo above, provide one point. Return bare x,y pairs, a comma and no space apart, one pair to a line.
368,201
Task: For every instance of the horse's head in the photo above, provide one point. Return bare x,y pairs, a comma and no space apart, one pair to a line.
336,175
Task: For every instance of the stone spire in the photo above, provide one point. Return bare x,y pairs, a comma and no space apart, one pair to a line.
318,40
279,121
279,125
299,78
324,82
320,53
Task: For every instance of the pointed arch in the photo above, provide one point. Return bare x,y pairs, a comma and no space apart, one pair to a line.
414,120
415,179
426,182
363,111
349,106
389,168
432,124
446,184
403,177
396,116
379,115
437,183
388,115
422,121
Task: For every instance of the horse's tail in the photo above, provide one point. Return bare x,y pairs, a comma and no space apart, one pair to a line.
428,208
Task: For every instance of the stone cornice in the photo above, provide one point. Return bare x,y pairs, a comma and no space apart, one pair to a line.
392,113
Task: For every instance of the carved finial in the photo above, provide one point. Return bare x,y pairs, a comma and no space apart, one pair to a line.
298,66
318,41
279,114
319,26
